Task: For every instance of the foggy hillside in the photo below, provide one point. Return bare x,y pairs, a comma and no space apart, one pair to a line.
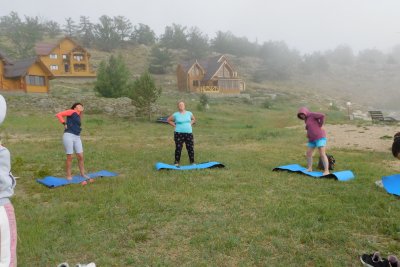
369,77
371,84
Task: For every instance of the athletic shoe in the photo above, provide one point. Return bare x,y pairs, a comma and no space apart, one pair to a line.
379,183
374,260
393,261
64,264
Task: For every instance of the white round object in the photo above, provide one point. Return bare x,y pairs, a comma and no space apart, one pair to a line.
3,108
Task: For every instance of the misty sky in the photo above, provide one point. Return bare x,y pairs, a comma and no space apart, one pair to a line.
306,25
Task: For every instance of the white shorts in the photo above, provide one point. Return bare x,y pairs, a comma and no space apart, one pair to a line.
72,143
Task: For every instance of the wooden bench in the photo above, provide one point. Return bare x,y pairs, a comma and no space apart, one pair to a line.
377,116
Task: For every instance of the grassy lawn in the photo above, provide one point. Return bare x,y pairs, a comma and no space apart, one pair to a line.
243,215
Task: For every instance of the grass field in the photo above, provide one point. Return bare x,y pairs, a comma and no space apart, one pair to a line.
243,215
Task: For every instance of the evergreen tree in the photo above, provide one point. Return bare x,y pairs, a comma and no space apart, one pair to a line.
142,34
70,28
203,105
279,62
144,94
52,28
314,63
85,31
341,55
174,37
161,60
112,78
123,27
227,43
22,34
107,37
197,44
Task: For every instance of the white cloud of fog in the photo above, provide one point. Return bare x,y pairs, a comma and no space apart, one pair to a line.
306,25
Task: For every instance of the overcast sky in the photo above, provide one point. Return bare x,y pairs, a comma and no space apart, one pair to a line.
306,25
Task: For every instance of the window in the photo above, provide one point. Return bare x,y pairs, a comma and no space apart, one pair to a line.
35,80
53,56
78,57
53,67
79,67
229,84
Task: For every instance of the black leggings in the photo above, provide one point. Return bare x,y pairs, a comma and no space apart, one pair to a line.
186,138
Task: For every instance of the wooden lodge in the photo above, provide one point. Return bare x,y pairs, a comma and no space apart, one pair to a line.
28,75
66,58
213,75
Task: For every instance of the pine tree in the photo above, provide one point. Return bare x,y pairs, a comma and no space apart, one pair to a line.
160,60
144,94
112,78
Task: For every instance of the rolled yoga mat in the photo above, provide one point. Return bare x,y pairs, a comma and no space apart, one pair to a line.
204,165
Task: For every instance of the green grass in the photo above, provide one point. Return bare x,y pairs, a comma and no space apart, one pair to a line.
243,215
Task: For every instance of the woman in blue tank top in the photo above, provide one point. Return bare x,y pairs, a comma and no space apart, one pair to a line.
182,121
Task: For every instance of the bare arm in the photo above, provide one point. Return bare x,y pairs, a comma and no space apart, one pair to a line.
193,120
171,121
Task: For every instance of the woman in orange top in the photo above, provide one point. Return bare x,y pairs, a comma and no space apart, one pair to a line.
71,138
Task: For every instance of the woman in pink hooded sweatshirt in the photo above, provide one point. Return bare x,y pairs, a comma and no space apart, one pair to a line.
316,136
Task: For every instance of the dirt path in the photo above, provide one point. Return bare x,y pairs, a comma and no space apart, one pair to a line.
371,137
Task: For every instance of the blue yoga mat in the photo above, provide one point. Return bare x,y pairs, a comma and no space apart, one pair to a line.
340,175
51,181
204,165
391,184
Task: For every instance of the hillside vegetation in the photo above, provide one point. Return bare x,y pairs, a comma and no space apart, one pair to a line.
368,77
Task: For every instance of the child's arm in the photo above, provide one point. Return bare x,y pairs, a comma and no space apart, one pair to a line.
319,117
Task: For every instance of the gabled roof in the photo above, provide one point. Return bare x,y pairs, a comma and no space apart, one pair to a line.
44,49
187,65
213,64
198,65
4,58
210,65
20,68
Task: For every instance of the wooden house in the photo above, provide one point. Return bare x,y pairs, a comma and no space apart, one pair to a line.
5,84
29,75
66,58
213,75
